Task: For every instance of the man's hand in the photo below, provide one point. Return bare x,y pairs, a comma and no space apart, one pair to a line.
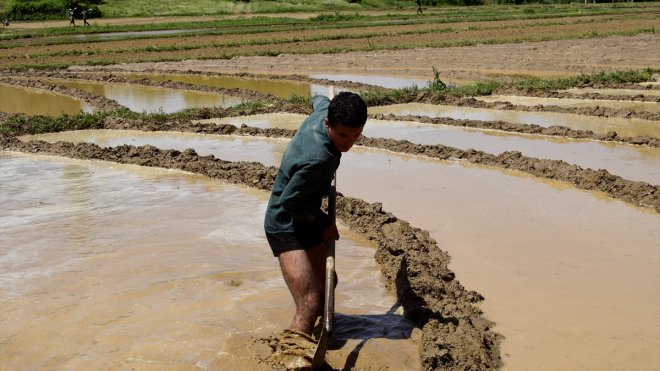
330,232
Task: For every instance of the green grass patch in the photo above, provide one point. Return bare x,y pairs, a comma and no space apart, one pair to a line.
23,124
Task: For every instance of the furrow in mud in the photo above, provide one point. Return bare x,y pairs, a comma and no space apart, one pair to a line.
456,336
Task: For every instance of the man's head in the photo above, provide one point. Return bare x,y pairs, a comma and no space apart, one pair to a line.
347,114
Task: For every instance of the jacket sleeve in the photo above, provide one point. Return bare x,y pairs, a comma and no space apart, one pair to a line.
304,185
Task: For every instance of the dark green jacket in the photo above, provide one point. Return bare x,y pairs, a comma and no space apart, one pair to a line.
308,166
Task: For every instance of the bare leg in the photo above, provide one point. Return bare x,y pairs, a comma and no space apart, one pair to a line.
304,274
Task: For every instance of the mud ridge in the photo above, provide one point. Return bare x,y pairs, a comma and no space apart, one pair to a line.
637,193
455,335
640,97
556,130
597,111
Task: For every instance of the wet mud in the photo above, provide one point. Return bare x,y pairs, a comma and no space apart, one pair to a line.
455,334
556,130
638,97
637,193
422,97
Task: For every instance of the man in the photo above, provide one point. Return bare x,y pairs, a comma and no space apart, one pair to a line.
84,16
419,6
297,229
72,19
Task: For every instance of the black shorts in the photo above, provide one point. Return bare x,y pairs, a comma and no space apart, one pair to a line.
289,241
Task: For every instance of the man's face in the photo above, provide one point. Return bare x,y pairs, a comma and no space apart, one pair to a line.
343,137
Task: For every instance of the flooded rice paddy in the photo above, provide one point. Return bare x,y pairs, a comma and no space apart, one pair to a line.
38,102
624,127
628,161
99,269
549,259
570,277
278,88
139,98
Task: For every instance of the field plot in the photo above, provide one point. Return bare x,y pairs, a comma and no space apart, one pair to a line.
512,228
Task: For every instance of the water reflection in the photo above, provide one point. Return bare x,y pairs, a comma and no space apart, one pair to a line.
38,102
535,249
279,88
172,271
624,127
630,162
151,99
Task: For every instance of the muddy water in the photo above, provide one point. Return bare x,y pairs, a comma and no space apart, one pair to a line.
564,102
624,127
646,92
627,161
278,88
116,267
139,98
36,102
563,271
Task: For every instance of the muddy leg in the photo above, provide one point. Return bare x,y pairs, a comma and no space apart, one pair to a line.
302,280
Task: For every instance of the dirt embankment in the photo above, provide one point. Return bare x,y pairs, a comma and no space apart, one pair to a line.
101,103
421,97
557,130
638,97
456,336
635,192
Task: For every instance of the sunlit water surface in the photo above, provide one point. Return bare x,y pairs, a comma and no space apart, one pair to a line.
564,271
140,98
638,163
624,127
121,267
574,103
14,99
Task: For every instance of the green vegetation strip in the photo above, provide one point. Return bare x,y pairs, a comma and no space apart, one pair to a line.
266,24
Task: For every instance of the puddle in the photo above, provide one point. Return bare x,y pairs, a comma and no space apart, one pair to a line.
38,102
147,268
624,127
627,161
567,102
278,88
548,258
139,98
384,81
646,92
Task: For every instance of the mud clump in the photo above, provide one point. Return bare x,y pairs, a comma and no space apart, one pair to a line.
455,336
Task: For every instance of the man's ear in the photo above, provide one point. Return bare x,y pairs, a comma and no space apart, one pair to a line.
326,121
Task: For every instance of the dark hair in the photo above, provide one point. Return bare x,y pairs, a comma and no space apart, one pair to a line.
347,109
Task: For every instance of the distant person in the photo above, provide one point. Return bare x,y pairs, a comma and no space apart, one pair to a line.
419,6
5,22
84,16
72,19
